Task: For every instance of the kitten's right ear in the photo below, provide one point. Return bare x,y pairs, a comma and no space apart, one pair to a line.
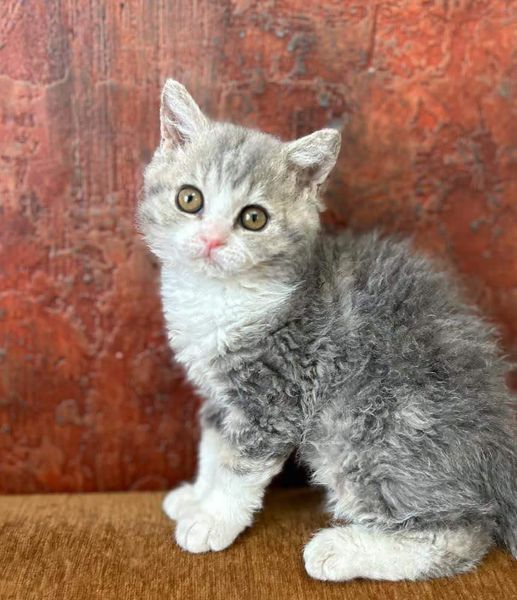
315,155
181,118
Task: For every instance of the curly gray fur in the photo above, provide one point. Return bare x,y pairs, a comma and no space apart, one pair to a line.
386,383
389,386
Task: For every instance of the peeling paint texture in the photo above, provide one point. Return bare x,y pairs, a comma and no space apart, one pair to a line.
90,398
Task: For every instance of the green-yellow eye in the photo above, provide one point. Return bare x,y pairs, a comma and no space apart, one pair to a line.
189,199
253,218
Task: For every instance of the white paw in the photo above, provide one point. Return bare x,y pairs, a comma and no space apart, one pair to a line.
180,501
329,557
202,532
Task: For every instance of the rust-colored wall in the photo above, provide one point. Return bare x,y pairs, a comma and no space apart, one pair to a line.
88,397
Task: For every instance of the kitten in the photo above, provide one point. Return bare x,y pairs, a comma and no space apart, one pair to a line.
353,351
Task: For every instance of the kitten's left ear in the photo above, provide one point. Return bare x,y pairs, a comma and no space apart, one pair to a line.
181,118
315,155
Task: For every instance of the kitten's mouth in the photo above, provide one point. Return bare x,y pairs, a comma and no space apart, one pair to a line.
210,263
205,257
210,258
216,263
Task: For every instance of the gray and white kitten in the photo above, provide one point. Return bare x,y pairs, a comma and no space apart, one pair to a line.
352,351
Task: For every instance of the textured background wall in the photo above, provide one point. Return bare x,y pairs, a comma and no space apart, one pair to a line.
89,398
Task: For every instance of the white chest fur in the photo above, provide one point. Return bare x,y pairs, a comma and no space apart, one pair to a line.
206,317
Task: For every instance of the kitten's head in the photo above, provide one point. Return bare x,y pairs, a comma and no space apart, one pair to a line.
225,200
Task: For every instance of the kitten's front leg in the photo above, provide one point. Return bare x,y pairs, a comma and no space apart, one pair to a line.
221,503
183,498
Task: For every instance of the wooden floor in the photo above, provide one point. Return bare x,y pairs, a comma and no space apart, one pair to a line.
120,546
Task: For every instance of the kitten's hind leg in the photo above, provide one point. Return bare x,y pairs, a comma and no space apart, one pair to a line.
342,553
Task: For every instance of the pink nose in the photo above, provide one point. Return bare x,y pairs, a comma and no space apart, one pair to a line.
212,242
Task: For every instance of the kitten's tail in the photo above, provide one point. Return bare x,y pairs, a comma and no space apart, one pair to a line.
506,491
508,531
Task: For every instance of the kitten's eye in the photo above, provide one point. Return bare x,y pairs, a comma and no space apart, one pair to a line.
189,199
253,218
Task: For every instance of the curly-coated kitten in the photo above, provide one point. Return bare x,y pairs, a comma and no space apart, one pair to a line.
352,351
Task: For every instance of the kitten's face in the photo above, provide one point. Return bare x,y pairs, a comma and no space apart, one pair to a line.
223,200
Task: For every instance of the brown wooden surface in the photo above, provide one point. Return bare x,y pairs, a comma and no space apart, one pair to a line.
424,93
120,547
